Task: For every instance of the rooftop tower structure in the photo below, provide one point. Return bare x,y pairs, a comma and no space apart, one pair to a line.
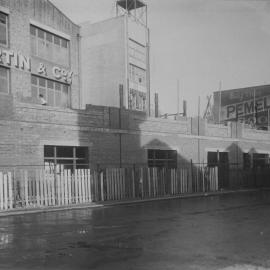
115,59
135,8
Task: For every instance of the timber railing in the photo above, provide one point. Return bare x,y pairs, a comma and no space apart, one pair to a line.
29,188
40,188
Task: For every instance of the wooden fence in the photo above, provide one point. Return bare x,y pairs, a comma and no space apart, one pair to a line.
39,188
6,191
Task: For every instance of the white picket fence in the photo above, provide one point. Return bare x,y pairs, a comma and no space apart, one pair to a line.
47,189
213,179
38,188
6,191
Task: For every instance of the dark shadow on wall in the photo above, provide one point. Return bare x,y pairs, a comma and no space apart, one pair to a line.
114,137
246,168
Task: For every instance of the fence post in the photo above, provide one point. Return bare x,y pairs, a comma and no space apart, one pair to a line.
156,181
149,182
117,183
186,190
37,187
69,186
26,189
172,180
203,178
190,186
1,192
216,178
10,190
83,185
120,183
41,180
108,185
133,182
86,197
65,190
96,187
89,185
49,181
58,188
76,185
123,171
5,192
163,181
141,182
80,185
101,186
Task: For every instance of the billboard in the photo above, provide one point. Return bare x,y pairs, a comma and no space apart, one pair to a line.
250,105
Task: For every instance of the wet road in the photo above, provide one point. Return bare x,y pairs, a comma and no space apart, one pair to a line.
222,232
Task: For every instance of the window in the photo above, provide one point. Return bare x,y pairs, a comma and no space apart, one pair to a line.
55,93
137,51
212,158
217,158
137,75
4,80
223,157
162,158
246,161
3,29
260,160
137,100
49,46
59,158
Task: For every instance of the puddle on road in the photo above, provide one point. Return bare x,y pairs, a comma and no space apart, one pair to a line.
5,240
119,245
244,267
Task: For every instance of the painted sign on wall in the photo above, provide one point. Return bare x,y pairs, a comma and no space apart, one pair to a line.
17,60
249,105
57,72
245,108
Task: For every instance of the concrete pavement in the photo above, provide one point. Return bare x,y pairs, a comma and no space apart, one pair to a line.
230,231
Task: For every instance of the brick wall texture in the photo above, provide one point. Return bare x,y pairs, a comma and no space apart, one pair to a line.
26,130
112,136
21,12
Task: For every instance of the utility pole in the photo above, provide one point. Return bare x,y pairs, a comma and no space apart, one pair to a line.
219,107
199,113
178,97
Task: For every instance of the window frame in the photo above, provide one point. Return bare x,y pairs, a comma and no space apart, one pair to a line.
217,158
46,88
169,158
136,74
48,42
71,160
7,30
137,100
247,161
137,50
260,160
8,80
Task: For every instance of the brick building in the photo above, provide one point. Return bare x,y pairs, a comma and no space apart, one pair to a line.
42,121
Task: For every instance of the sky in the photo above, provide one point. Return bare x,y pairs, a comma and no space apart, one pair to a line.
201,43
